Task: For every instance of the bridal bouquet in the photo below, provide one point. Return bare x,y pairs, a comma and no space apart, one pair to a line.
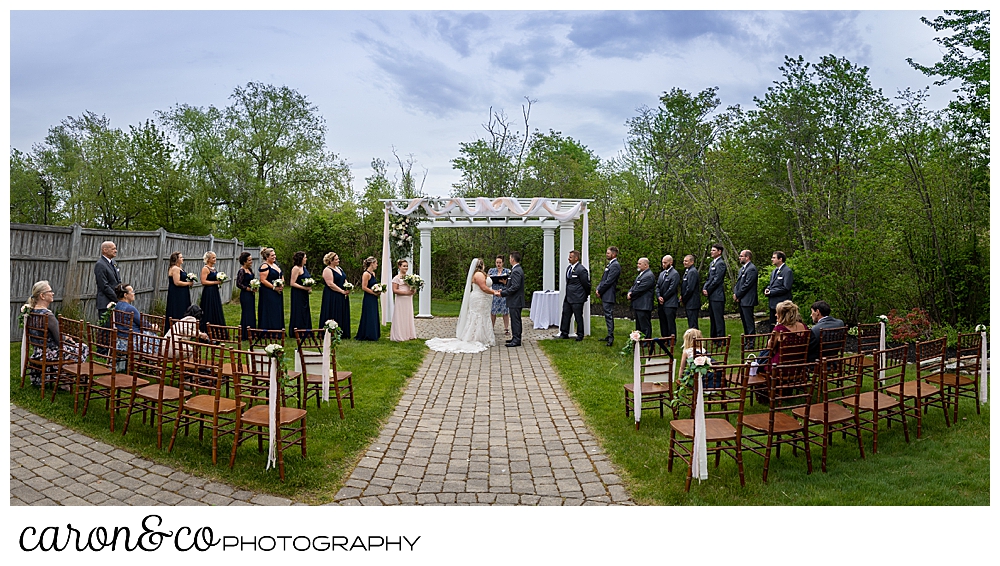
192,277
221,277
308,282
348,286
414,281
278,283
378,288
254,285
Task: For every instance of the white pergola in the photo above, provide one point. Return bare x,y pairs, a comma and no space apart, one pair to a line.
547,214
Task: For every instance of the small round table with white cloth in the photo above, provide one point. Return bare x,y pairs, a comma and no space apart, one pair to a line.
545,309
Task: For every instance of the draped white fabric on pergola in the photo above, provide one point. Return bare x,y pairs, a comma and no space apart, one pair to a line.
544,213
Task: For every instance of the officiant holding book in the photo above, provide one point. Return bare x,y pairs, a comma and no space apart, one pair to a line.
499,276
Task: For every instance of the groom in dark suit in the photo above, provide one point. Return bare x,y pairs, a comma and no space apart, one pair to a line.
107,275
514,293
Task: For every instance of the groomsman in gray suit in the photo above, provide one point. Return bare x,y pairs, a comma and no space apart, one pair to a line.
607,288
745,291
780,287
715,290
690,291
666,296
641,295
577,291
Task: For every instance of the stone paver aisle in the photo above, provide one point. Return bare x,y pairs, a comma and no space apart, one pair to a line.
494,428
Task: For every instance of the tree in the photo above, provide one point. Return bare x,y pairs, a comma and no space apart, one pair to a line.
33,199
558,166
260,159
967,58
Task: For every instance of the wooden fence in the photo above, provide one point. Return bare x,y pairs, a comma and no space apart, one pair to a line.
65,256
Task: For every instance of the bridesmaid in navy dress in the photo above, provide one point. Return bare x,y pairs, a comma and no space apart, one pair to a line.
271,311
336,303
211,300
178,288
300,315
244,276
369,327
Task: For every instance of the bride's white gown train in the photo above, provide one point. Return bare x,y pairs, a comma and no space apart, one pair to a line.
475,328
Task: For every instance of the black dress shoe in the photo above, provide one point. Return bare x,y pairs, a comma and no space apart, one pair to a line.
579,338
561,336
513,344
610,340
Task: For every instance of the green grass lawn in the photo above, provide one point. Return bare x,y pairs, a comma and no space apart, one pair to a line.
947,466
380,369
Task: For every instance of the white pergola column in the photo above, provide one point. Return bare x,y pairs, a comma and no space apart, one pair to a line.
425,269
565,245
548,259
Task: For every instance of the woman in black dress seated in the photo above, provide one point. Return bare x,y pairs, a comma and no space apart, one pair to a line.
211,300
248,307
369,327
178,287
271,310
300,315
336,301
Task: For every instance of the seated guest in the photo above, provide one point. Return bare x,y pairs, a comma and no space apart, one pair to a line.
821,320
125,295
789,320
186,329
58,346
688,352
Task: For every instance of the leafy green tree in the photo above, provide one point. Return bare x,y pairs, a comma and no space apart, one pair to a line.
967,58
259,160
33,199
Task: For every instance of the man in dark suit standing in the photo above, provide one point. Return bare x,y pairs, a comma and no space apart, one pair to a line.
577,291
780,287
715,290
821,320
666,296
641,295
607,288
745,291
107,275
690,291
514,292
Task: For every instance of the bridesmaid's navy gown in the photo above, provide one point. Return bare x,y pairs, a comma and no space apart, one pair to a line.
271,311
211,304
336,306
178,298
247,302
300,317
369,327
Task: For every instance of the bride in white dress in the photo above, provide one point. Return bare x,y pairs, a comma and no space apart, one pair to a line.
474,333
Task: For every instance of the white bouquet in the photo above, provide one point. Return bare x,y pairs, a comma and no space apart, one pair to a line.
221,277
254,284
335,331
192,277
308,282
278,283
348,286
414,281
982,328
274,350
331,325
883,318
378,288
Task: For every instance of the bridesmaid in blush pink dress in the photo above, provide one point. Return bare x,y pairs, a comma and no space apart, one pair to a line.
402,311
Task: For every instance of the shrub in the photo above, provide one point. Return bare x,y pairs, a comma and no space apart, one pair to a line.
910,327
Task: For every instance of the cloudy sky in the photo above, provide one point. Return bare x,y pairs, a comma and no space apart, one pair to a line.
422,82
